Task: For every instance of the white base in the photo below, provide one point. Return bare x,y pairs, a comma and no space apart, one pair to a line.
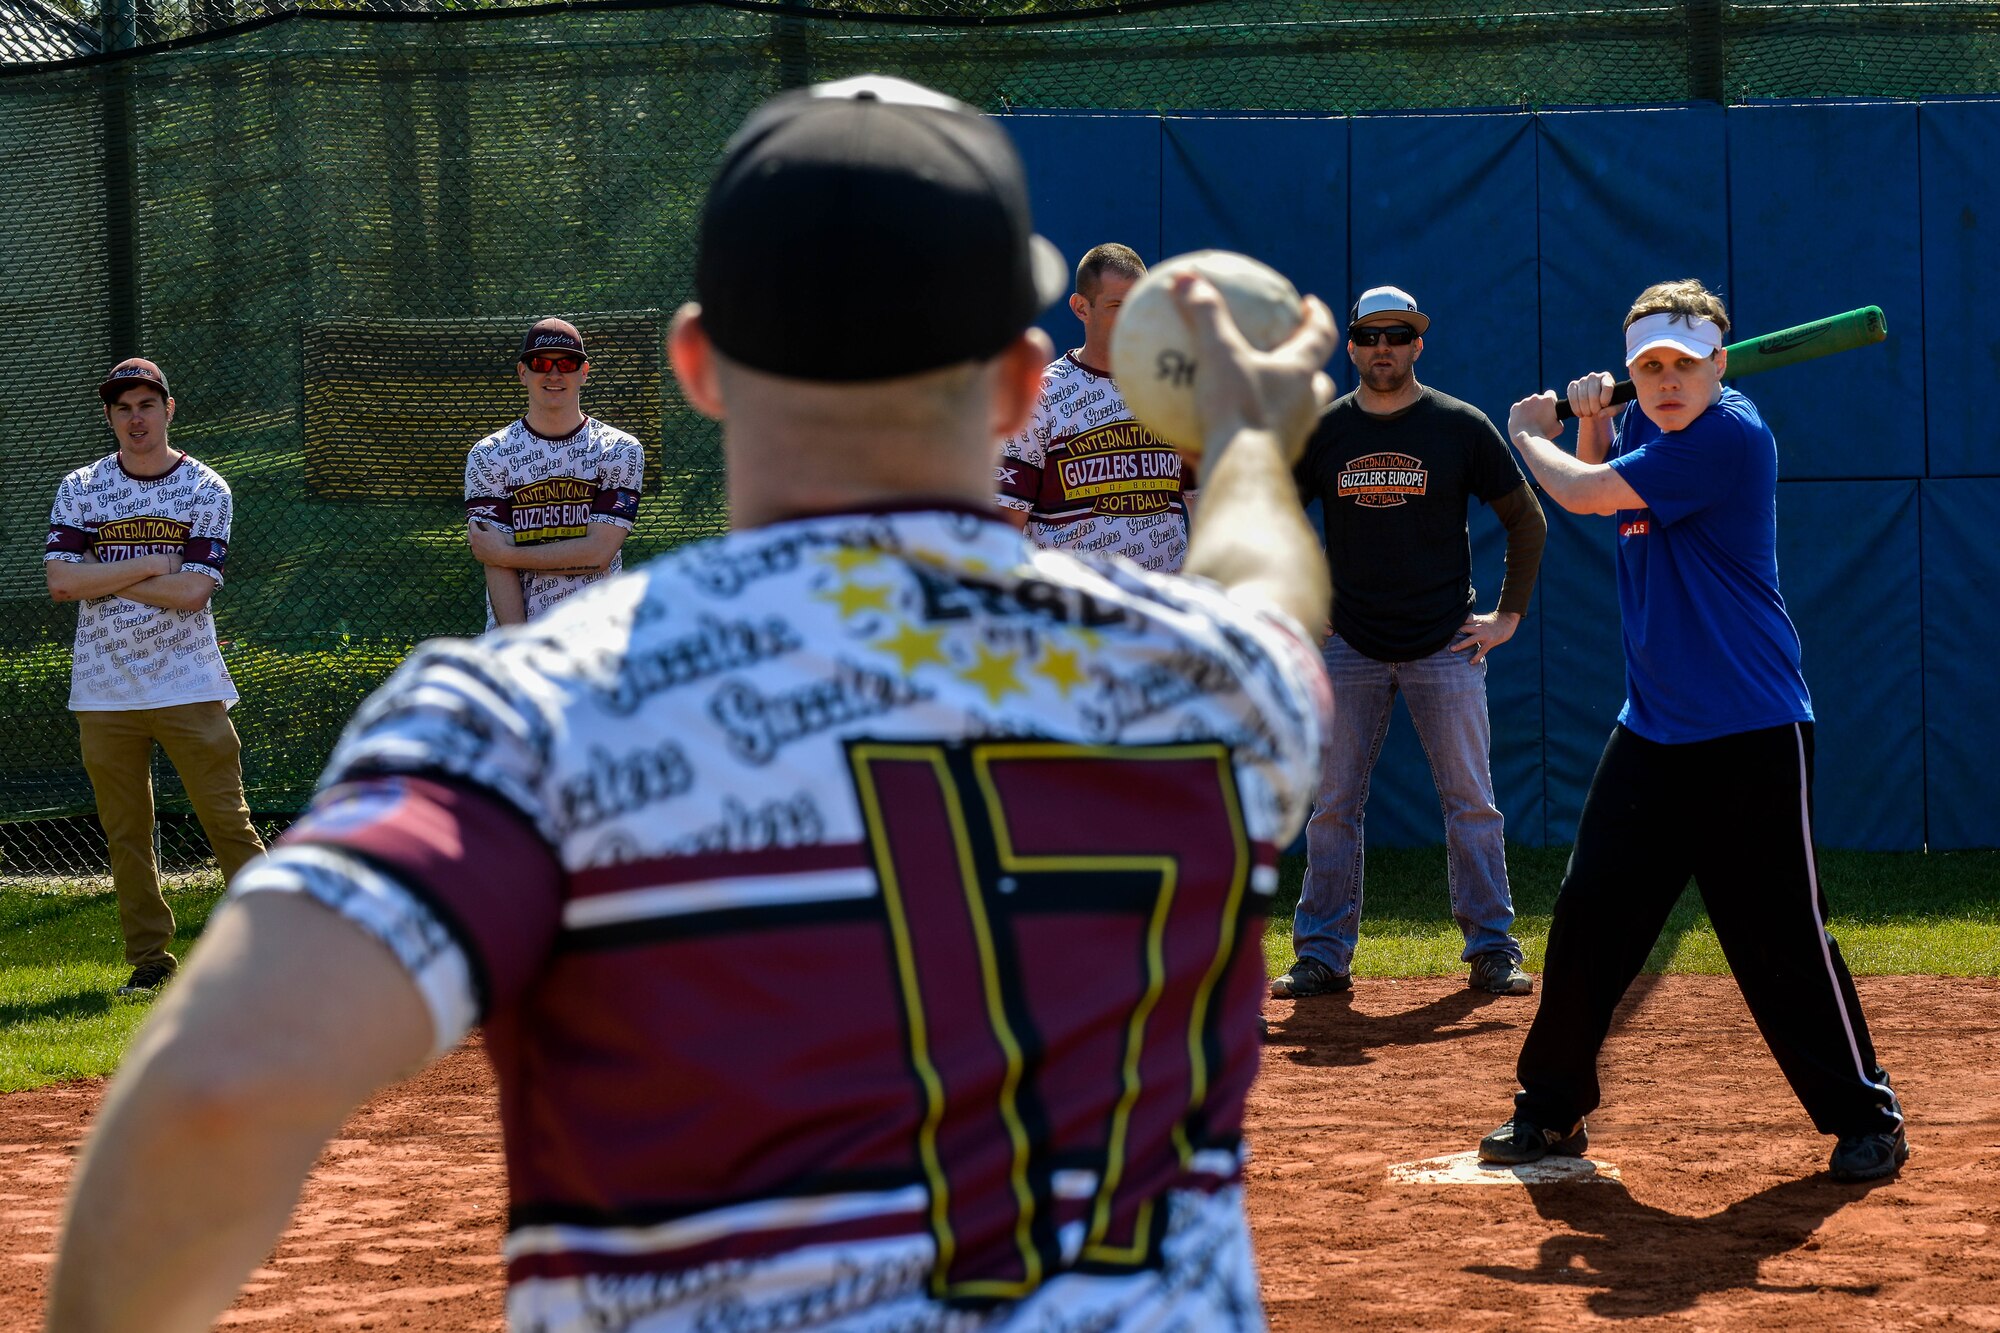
1465,1168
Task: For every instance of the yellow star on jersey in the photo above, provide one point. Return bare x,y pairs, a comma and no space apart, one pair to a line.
913,647
854,598
1059,668
1091,638
847,559
994,673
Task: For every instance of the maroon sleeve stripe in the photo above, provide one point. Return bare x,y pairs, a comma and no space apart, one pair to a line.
208,551
1019,480
616,502
493,508
467,853
661,871
66,540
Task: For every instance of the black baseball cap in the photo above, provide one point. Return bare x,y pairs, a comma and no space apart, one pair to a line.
551,336
129,372
868,229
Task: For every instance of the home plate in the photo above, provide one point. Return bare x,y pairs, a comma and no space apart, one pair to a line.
1465,1168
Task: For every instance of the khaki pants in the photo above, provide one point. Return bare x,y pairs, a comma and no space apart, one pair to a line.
118,755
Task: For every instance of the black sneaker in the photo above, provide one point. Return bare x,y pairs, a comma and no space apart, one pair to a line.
147,979
1869,1156
1520,1141
1309,976
1497,974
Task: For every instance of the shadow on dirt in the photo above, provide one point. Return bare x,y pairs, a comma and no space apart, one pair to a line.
1331,1031
1645,1261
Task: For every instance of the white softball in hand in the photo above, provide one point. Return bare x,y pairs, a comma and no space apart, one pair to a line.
1153,355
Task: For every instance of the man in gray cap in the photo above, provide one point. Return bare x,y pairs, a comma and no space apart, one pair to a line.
1394,466
812,883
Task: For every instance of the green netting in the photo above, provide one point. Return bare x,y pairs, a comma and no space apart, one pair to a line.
231,204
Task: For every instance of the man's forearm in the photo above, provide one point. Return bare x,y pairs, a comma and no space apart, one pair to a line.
1251,534
503,590
1593,436
83,581
1580,487
221,1185
188,590
590,553
1527,534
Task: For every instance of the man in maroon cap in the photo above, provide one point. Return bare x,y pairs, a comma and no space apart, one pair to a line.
138,539
550,497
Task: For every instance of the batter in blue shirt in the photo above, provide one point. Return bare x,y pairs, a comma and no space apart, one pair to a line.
1708,774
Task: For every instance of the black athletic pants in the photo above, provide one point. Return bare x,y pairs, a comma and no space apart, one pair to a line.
1735,813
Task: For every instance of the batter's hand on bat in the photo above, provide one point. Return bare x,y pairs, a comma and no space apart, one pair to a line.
1535,414
1591,394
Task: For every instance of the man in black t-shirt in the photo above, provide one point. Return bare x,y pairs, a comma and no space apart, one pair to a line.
1394,466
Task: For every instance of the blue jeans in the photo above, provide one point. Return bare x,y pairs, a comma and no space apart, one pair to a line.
1446,696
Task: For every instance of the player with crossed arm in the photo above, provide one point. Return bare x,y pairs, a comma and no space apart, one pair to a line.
1083,475
1708,773
550,499
863,909
139,539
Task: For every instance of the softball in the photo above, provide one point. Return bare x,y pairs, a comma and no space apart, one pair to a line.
1152,350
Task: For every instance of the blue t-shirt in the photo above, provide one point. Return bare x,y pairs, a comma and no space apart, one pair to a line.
1709,650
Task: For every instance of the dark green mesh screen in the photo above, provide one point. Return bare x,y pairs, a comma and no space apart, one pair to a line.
259,207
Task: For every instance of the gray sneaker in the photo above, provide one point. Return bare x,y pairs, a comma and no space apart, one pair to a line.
1497,974
1309,976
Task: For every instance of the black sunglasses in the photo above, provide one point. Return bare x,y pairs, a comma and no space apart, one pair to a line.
1396,335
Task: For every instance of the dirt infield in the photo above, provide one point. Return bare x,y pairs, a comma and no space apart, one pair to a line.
1722,1216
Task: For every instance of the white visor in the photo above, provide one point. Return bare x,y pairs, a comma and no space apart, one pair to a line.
1665,329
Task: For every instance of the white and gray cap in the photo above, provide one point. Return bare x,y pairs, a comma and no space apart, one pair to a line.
1388,305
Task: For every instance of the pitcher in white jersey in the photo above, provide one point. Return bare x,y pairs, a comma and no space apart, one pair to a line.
862,908
550,497
1083,476
138,539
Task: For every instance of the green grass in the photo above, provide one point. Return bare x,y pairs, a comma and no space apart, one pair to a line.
1935,914
60,966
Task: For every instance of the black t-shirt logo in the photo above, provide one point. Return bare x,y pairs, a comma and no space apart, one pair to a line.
1381,480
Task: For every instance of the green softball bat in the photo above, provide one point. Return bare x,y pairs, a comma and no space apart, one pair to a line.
1787,347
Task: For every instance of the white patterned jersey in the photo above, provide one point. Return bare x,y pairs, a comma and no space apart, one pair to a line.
1092,480
548,490
128,654
863,914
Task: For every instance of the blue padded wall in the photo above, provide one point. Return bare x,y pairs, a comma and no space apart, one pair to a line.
1848,564
1427,192
1823,218
1092,178
1444,207
1961,212
1611,225
1273,188
1961,644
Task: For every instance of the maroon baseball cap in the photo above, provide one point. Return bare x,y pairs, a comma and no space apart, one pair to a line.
132,371
551,336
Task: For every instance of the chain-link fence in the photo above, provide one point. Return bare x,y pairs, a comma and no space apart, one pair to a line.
264,208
